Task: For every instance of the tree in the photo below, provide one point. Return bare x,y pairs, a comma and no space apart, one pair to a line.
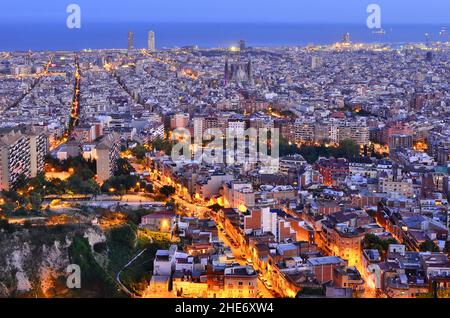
85,173
27,224
55,186
38,182
100,247
139,152
371,241
429,246
7,208
167,191
124,235
36,201
215,207
90,187
120,184
162,145
12,196
310,291
8,227
149,188
348,149
21,182
76,163
123,167
286,148
92,274
75,184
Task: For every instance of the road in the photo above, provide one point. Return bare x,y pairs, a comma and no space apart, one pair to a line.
107,201
237,253
23,220
119,282
201,211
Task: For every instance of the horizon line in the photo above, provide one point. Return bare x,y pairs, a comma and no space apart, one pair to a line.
2,21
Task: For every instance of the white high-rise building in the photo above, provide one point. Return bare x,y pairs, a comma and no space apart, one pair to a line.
22,152
151,41
130,40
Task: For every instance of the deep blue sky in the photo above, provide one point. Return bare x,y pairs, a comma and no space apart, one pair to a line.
151,11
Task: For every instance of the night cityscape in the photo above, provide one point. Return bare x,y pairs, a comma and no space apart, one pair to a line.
251,168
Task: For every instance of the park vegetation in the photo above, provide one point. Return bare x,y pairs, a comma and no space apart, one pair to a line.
347,149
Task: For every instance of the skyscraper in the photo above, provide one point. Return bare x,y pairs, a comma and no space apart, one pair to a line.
151,41
346,38
227,70
242,45
130,40
427,40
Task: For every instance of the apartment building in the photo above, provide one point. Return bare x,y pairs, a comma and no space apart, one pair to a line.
304,132
354,131
268,220
209,186
240,282
108,150
402,187
22,152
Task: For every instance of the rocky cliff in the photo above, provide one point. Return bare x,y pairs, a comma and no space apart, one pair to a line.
33,261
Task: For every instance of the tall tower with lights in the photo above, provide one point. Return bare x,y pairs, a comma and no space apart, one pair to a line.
130,40
242,45
151,41
346,38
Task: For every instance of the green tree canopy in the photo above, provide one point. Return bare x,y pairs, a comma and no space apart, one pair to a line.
162,145
371,241
123,167
429,246
167,191
124,235
347,149
139,152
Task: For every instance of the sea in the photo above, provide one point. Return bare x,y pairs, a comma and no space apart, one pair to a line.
53,37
